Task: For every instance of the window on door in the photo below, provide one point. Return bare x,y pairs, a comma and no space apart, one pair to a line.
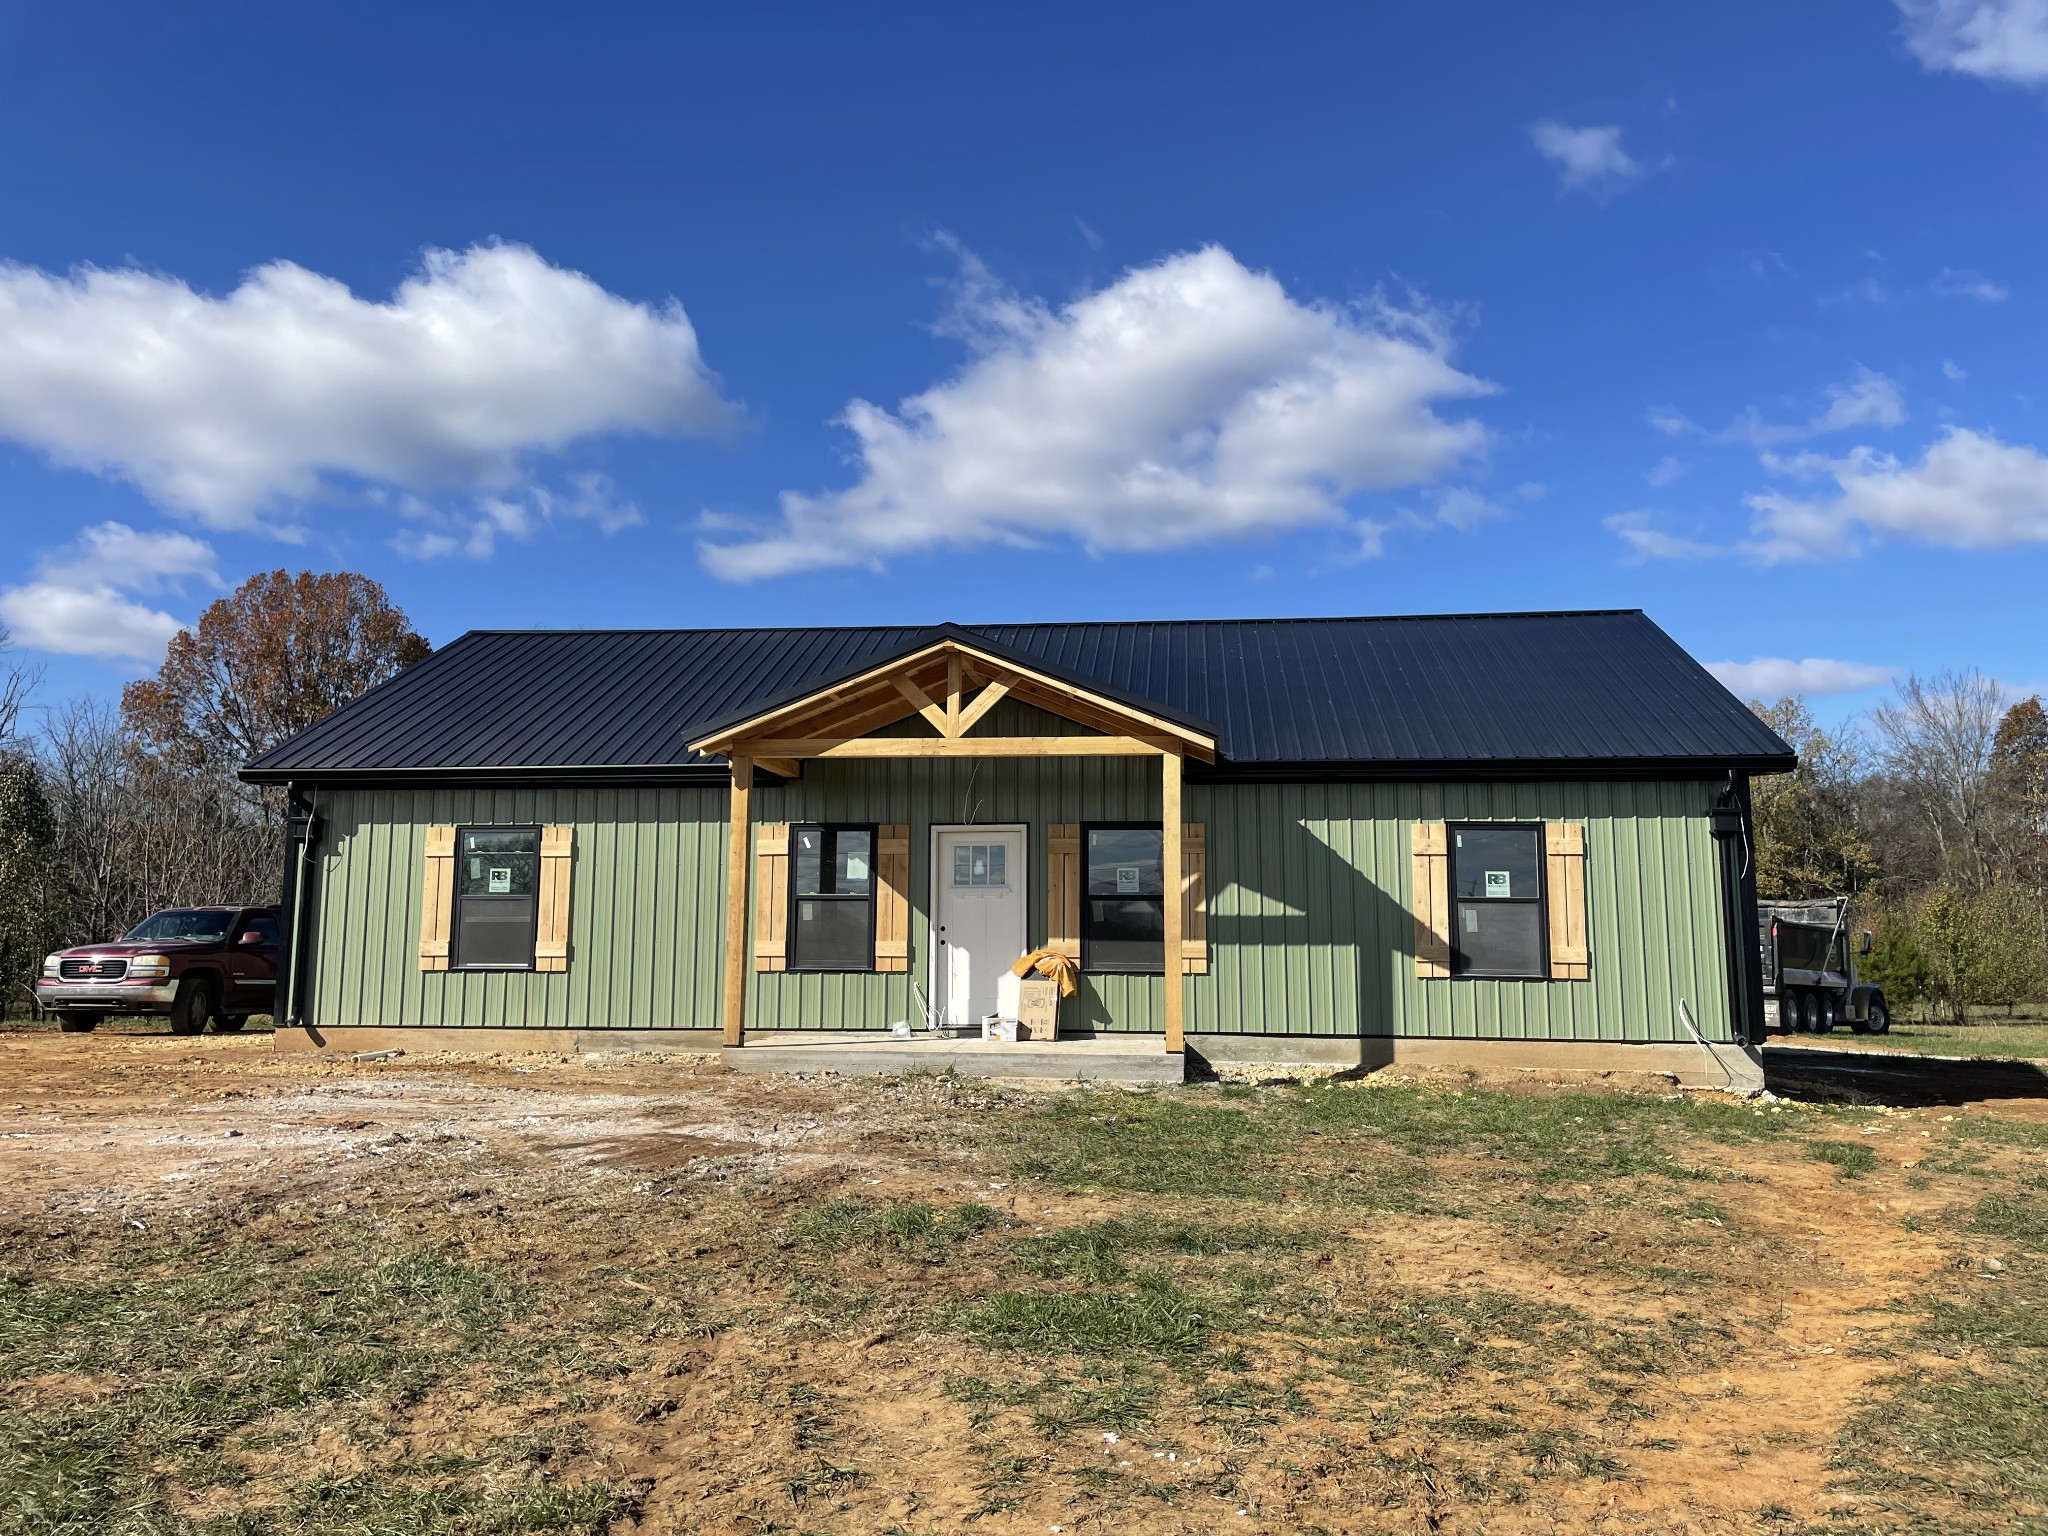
497,871
981,865
832,898
1497,925
1123,913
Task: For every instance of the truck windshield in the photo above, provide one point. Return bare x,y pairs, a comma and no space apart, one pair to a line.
190,927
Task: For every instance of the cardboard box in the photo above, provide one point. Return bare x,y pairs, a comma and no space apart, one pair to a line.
1038,1010
994,1028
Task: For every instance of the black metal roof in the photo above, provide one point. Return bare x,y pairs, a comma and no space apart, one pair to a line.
1442,695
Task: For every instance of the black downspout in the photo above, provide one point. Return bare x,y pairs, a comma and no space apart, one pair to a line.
1734,830
1752,957
1738,908
301,834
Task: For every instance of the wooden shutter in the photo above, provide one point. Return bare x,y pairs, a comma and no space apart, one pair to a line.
1564,851
1063,889
1432,899
437,899
892,898
771,897
1194,899
551,920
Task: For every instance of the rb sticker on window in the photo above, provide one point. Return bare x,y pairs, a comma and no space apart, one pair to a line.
1497,882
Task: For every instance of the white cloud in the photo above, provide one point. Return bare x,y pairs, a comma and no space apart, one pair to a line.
1464,509
1956,283
1646,541
1774,677
438,533
1187,402
1666,470
1968,491
1953,373
1587,159
292,388
1867,400
79,603
1991,39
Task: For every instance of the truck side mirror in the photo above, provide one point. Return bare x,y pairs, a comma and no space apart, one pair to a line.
1863,948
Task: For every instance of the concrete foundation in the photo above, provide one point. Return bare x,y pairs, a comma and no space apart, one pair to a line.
348,1039
1128,1058
1733,1067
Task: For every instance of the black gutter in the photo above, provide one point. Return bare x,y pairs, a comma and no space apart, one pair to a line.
715,773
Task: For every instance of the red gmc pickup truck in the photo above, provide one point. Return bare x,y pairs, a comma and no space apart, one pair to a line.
190,964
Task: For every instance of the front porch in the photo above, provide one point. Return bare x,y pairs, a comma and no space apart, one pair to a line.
955,703
1134,1059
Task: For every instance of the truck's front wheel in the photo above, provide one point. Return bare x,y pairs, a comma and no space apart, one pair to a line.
1877,1018
193,1006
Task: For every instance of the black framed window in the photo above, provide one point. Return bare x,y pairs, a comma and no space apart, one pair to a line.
831,898
1123,902
1497,926
497,871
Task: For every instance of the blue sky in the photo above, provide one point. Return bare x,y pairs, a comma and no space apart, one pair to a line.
656,315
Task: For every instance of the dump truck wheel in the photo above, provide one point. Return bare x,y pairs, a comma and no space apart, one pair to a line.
1825,1005
1879,1019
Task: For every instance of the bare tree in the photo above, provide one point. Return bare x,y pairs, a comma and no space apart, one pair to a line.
17,682
1938,735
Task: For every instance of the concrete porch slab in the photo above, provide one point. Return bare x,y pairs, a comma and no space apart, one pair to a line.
1100,1060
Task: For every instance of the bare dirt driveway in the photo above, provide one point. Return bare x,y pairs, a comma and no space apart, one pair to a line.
247,1293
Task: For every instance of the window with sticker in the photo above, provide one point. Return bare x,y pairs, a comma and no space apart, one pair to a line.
832,898
1497,902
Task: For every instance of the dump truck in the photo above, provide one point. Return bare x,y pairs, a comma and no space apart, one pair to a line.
1810,971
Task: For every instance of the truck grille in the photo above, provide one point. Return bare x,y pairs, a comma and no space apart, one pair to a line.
92,970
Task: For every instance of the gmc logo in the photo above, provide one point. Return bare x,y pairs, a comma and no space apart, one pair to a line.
90,968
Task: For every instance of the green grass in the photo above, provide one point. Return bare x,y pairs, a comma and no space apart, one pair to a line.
1376,1140
908,1229
2022,1036
1973,1427
1154,1318
200,1350
1851,1159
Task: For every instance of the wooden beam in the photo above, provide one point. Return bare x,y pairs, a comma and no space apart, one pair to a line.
984,701
739,869
952,726
961,661
1170,859
941,746
923,705
788,767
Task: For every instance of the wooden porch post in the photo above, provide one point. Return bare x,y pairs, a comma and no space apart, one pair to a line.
1170,882
739,868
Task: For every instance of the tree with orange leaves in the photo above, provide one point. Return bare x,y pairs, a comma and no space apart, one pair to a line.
265,662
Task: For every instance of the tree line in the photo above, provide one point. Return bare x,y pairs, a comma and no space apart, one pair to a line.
1931,815
109,813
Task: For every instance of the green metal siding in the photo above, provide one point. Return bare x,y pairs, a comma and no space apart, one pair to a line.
1311,925
1310,928
646,911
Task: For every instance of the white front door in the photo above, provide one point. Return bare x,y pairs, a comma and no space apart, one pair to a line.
977,917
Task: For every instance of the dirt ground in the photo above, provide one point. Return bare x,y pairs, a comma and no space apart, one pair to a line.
1624,1352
